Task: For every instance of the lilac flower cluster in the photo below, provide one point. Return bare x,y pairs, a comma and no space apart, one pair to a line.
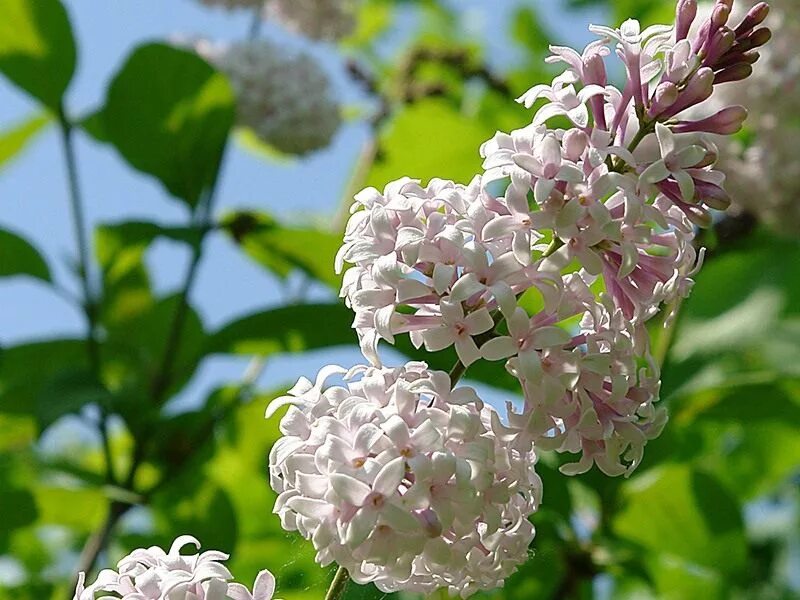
152,574
403,481
579,230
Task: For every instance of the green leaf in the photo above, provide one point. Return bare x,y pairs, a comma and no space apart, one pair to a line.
68,392
25,370
286,329
283,249
685,515
18,507
428,139
168,113
135,350
14,140
37,49
19,257
528,31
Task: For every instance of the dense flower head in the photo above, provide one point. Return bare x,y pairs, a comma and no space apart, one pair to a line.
283,96
318,19
403,481
153,574
233,4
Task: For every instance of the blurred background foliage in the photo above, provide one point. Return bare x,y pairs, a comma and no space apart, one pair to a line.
712,512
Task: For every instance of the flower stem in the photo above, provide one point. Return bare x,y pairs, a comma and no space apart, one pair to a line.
89,303
338,585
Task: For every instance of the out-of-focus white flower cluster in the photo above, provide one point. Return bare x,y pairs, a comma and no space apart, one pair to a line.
552,260
317,19
232,4
284,97
403,481
764,171
152,574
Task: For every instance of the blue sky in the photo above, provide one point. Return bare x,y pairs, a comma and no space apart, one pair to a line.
33,197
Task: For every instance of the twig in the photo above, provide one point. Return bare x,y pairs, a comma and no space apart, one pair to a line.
89,304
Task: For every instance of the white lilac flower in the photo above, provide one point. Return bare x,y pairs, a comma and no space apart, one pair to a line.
403,481
233,4
318,19
153,574
284,97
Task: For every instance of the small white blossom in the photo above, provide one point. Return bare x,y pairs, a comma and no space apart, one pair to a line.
152,574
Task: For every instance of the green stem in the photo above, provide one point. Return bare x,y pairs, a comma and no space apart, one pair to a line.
338,585
89,303
98,540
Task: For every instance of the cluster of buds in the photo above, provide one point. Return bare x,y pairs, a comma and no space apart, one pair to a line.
579,231
152,574
764,168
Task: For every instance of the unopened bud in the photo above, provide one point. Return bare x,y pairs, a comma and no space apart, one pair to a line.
712,195
699,88
685,15
720,16
575,143
733,73
665,96
726,122
594,70
734,58
752,19
721,43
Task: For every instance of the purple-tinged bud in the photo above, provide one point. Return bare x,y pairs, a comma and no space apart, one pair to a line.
701,37
666,95
734,58
575,143
755,40
685,15
699,88
733,73
720,16
720,44
594,70
752,19
726,122
712,195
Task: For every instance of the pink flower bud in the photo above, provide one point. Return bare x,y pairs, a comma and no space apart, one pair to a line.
594,69
686,13
712,195
665,96
721,43
755,40
720,16
574,143
734,58
752,19
733,73
699,88
726,122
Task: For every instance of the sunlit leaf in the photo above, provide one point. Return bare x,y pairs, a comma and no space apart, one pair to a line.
17,137
430,139
286,329
679,512
283,249
169,113
37,50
